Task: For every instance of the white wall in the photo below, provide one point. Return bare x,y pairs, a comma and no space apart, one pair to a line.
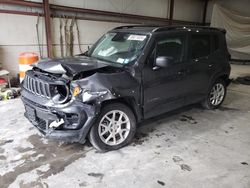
90,32
188,10
19,35
155,8
18,32
240,6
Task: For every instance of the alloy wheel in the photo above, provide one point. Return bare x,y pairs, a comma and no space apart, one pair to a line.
114,127
217,94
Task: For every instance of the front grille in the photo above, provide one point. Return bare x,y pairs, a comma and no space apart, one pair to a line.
33,103
37,86
41,124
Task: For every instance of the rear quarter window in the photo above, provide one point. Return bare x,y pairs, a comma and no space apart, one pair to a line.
200,46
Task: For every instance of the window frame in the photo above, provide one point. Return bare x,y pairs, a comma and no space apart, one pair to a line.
160,36
214,49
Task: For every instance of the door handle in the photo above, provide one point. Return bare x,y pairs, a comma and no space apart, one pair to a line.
211,65
156,68
182,72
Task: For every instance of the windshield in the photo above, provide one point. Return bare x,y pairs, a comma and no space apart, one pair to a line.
121,48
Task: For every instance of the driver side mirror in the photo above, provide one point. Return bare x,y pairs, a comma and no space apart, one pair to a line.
164,61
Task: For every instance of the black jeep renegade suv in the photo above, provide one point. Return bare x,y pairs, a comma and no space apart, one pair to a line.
130,74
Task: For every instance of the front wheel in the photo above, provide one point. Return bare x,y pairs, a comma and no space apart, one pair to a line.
114,128
216,95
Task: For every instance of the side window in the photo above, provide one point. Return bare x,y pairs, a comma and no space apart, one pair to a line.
170,46
200,46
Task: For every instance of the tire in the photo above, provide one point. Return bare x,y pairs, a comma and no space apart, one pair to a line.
210,103
105,135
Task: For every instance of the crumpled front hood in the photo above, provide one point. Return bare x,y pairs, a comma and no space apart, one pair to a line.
70,66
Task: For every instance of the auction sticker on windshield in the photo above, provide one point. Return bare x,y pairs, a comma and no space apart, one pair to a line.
120,60
137,37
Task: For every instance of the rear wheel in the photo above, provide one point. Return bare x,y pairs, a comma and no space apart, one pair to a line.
216,95
114,128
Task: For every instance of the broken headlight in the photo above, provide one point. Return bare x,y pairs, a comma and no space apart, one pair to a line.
75,90
61,94
85,95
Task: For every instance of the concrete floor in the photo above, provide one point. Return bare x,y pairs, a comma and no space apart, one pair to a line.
191,147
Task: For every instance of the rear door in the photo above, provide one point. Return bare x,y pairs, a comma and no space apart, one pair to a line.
201,64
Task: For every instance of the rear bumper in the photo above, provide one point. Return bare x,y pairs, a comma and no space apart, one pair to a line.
77,117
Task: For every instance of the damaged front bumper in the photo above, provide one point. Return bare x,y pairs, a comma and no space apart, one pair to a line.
70,122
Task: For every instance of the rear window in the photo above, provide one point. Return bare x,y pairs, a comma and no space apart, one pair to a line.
200,46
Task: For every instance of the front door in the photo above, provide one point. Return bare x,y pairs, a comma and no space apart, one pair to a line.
166,88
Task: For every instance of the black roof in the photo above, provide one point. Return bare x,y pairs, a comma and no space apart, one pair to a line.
157,28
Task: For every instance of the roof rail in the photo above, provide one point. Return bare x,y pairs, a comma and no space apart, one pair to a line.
158,28
134,26
187,27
